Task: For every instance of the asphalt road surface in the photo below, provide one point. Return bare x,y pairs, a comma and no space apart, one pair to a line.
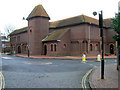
45,73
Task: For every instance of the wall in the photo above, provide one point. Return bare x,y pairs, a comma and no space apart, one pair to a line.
60,49
39,30
19,40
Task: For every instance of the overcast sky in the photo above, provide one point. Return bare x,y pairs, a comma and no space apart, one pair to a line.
12,11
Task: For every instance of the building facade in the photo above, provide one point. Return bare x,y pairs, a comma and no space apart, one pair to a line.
5,43
72,36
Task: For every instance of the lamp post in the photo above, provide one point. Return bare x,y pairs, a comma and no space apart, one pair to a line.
101,35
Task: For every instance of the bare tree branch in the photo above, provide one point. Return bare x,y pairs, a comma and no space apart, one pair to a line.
9,28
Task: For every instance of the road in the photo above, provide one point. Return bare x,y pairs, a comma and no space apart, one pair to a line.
45,73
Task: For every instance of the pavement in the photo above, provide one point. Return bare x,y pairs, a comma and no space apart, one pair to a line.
61,57
111,79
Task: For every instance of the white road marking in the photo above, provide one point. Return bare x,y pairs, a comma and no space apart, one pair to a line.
6,57
40,63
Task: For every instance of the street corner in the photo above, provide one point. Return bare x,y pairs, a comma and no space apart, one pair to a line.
87,75
90,78
110,80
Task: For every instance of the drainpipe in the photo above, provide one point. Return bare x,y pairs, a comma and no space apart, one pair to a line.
89,37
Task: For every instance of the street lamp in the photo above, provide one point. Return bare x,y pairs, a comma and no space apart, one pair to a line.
101,35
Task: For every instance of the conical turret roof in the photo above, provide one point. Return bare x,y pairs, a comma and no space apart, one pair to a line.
38,11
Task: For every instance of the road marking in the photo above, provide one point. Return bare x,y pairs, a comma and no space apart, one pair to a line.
39,63
6,57
2,81
84,78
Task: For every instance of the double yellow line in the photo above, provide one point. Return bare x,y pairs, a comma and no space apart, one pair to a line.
84,79
2,81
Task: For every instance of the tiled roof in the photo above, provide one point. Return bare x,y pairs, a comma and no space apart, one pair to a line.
55,35
38,11
73,20
18,31
70,21
107,22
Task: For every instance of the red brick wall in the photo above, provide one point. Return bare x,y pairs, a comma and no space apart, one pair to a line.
90,34
40,29
19,40
63,47
76,40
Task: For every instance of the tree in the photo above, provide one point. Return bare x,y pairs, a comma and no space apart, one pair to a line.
116,26
8,29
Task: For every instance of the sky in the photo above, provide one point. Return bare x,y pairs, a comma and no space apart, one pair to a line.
13,11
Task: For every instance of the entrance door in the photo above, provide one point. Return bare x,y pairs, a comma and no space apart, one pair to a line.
111,49
19,49
45,49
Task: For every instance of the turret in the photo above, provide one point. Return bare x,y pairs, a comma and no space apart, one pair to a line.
38,29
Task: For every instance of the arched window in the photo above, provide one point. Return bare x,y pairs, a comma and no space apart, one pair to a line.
55,47
19,49
90,47
45,49
51,47
111,49
83,46
86,46
30,30
65,45
96,47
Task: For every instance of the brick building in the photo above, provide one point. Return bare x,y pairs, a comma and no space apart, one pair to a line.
5,42
71,36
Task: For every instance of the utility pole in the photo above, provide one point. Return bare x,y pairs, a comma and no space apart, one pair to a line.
102,37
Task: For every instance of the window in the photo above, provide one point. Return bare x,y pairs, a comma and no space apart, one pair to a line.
55,47
30,31
25,48
96,47
90,47
65,45
83,46
51,47
14,39
18,38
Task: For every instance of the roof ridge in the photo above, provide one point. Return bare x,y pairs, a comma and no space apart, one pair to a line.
74,17
66,18
83,17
